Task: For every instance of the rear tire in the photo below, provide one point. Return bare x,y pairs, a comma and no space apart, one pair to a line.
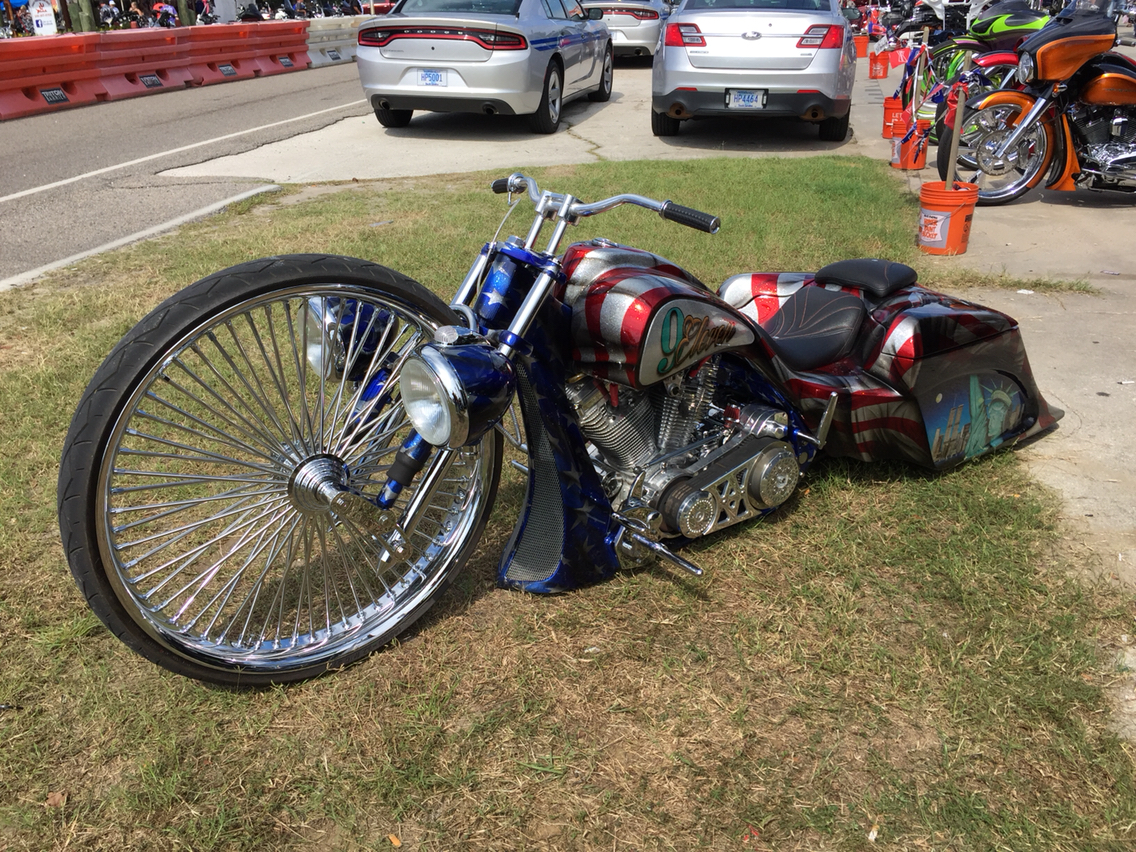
603,93
393,117
835,129
193,488
663,125
546,119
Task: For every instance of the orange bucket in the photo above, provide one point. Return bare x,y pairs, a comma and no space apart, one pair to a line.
945,216
909,148
877,67
893,107
861,43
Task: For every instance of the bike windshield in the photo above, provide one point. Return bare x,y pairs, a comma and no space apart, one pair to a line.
1081,9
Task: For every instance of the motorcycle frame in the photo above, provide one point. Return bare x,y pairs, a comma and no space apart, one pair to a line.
564,498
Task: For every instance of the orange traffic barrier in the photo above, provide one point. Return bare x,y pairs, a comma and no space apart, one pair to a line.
281,46
138,62
221,52
48,73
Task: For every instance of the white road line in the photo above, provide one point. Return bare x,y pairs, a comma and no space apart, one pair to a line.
32,274
25,192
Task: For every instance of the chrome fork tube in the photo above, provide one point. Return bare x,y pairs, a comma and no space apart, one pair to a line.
472,279
1022,126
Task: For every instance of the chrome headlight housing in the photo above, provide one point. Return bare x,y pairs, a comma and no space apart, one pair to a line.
454,393
1026,70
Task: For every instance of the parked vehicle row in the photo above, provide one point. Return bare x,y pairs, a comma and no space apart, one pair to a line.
734,58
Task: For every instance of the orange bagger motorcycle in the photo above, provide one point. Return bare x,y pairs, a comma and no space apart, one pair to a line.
1073,122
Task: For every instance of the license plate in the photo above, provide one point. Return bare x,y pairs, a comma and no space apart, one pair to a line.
745,98
430,77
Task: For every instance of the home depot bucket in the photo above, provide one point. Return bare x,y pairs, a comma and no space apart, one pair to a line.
893,107
861,43
877,66
909,148
944,217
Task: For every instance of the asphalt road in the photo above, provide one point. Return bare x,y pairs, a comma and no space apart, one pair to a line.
79,179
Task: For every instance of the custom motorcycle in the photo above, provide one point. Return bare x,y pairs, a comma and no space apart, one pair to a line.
1071,124
280,468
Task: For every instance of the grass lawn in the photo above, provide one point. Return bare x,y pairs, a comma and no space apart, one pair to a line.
894,660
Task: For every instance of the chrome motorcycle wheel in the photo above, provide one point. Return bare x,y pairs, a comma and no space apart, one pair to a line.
217,484
999,179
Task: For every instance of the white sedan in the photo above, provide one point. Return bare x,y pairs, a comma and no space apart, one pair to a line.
508,57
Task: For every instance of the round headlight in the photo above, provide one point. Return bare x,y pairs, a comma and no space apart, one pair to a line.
428,405
1025,68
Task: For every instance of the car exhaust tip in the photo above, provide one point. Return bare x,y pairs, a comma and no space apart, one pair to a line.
677,111
489,109
384,104
814,114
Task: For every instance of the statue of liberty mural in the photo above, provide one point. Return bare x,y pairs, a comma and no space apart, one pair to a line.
994,410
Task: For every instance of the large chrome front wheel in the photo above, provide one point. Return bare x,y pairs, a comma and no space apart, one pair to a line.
1000,178
217,488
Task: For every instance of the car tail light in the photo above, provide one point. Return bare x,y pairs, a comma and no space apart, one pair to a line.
684,35
489,39
822,36
641,14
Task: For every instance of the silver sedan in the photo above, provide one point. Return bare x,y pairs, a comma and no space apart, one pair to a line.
755,58
512,57
635,24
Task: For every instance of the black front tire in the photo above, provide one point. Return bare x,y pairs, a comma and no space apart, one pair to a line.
663,124
193,487
546,119
393,117
603,93
835,129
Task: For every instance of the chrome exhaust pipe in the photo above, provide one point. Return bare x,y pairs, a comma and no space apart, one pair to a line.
489,109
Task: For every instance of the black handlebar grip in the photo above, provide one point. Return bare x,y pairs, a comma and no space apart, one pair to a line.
501,186
690,217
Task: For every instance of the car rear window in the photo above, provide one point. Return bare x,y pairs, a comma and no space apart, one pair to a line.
483,7
762,5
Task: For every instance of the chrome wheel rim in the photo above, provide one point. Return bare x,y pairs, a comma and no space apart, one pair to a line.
236,525
999,177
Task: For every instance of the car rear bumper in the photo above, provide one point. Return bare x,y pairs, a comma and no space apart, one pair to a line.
506,85
635,41
486,105
814,106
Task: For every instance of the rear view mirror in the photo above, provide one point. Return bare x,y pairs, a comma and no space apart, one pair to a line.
595,14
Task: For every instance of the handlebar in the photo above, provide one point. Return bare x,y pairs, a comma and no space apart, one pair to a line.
559,205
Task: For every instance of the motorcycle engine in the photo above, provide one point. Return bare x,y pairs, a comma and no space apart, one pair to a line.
670,448
1108,145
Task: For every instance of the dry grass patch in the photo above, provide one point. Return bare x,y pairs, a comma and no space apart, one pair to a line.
893,650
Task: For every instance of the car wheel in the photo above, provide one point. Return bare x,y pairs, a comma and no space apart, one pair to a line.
603,93
835,129
547,116
393,117
663,125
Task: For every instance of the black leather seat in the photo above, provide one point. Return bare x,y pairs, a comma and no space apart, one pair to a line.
815,327
879,277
